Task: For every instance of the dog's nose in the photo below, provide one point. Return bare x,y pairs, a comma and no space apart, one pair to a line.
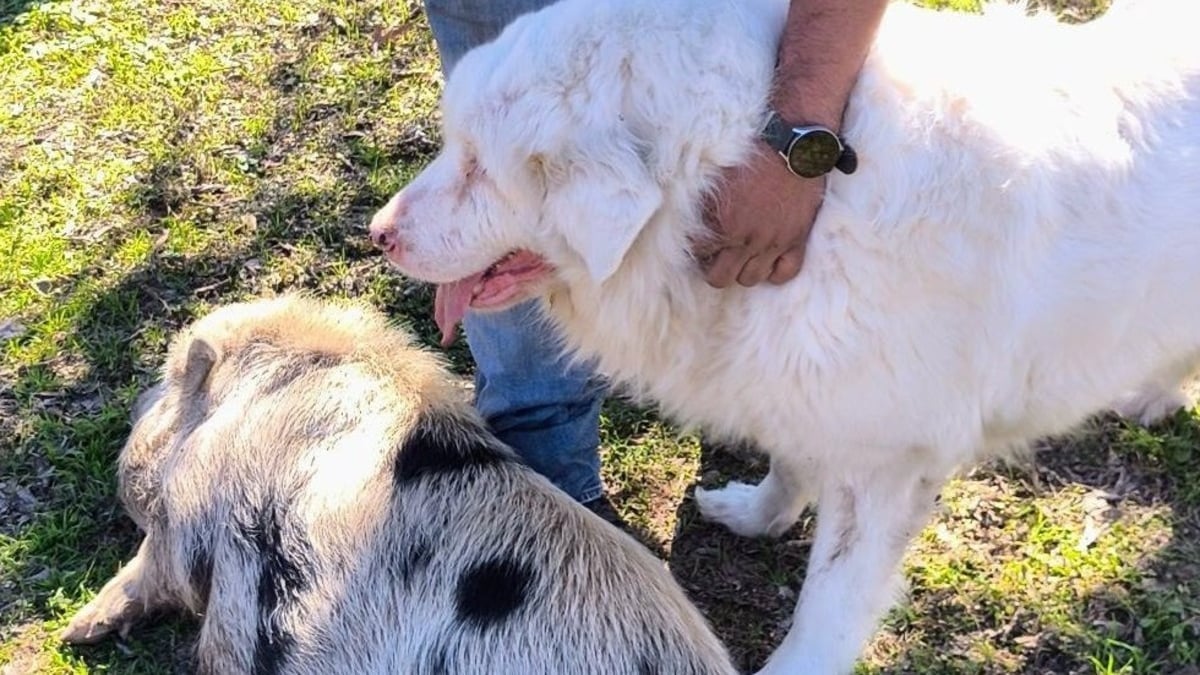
383,226
383,238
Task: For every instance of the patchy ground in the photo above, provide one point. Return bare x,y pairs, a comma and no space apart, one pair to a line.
160,158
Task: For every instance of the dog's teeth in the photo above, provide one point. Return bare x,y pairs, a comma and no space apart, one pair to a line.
496,265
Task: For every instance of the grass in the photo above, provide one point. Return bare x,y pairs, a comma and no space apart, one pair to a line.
161,158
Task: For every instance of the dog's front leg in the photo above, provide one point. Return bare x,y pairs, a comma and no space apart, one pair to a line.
864,523
769,508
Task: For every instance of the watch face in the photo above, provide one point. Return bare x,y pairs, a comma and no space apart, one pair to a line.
814,153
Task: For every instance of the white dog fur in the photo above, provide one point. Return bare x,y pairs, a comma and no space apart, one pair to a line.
1019,248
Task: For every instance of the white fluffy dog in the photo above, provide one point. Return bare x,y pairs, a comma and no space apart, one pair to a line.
1019,248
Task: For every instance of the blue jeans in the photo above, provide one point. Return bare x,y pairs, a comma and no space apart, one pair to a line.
534,400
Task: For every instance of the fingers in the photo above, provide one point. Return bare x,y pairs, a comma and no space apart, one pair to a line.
726,266
758,267
748,269
759,224
787,266
745,267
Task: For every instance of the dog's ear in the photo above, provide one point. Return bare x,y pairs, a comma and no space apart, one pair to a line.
201,358
600,195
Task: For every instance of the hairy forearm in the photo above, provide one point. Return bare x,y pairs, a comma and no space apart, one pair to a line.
824,45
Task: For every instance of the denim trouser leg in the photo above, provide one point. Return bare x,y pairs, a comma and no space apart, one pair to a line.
549,412
459,25
535,401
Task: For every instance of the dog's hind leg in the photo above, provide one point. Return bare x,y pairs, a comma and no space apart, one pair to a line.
769,508
864,524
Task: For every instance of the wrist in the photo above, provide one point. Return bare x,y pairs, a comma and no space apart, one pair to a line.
805,103
800,114
821,52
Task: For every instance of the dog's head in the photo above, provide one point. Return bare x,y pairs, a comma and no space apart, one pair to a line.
541,174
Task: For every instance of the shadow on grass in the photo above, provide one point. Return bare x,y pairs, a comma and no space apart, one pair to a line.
745,586
1148,621
1152,623
10,9
70,415
79,540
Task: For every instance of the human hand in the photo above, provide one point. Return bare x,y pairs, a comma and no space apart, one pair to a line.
760,217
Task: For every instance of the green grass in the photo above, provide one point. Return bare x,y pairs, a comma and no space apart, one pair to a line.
159,159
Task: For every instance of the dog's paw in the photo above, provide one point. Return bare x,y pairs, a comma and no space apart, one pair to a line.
1152,405
739,507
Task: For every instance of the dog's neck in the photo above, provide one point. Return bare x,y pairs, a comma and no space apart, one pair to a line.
633,324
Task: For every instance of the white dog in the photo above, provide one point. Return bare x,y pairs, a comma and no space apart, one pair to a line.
1019,248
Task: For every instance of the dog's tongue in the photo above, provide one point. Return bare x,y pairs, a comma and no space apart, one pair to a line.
503,284
450,306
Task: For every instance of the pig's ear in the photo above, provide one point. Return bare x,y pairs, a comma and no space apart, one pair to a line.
201,358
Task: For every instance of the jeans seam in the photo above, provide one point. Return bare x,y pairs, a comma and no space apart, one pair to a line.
591,495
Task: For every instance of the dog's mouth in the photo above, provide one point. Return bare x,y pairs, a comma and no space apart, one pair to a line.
502,284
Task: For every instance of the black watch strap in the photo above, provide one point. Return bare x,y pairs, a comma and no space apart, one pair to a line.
848,161
777,133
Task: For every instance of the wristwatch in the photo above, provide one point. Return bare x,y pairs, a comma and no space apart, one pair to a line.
809,150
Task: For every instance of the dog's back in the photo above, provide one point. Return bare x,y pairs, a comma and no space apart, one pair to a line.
1003,202
317,489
